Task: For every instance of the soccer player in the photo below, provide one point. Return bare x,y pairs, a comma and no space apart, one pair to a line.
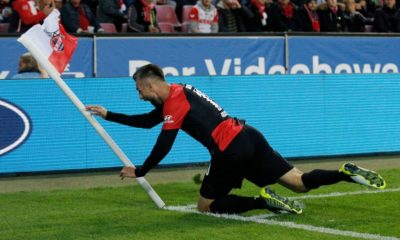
238,151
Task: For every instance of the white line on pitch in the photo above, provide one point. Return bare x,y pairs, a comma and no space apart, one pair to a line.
339,194
285,224
262,218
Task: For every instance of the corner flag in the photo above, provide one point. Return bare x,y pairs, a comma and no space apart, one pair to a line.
52,47
54,43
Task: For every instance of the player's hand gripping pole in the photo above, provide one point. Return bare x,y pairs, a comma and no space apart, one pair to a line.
100,130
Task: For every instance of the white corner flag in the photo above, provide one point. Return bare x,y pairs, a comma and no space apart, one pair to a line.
51,41
52,47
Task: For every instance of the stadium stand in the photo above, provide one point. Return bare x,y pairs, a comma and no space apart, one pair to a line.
4,27
166,14
185,13
124,27
166,27
108,27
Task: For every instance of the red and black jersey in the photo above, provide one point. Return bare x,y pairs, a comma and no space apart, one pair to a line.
188,109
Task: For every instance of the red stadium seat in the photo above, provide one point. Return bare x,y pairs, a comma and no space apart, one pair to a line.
185,27
108,27
166,14
185,13
185,18
124,27
4,27
368,28
166,27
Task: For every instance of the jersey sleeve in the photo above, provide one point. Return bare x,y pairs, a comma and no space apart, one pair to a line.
216,18
28,14
163,145
175,110
194,14
147,120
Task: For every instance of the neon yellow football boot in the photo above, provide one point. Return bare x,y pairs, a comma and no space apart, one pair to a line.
363,176
276,203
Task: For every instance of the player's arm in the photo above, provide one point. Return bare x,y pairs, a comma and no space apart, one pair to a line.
162,147
175,112
147,120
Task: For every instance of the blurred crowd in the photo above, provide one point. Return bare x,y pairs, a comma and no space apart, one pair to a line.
206,16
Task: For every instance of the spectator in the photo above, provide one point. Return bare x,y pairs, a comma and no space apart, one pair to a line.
366,7
232,15
300,3
112,11
283,16
308,20
203,18
259,21
179,7
5,10
355,21
189,2
142,17
127,3
93,4
59,4
26,14
386,19
331,17
29,68
78,18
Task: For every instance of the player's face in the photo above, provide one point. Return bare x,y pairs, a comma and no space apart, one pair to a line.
147,93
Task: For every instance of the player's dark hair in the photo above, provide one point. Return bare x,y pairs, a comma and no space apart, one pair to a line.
149,71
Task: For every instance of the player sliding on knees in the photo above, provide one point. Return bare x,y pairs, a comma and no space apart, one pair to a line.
238,151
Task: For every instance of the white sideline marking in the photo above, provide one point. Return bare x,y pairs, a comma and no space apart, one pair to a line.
263,218
286,224
339,194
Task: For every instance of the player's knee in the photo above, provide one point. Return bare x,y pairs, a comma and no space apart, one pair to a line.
293,181
300,187
203,205
203,208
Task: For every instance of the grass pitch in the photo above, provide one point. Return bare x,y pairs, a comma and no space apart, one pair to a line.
127,213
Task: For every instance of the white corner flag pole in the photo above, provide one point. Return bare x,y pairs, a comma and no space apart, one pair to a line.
100,130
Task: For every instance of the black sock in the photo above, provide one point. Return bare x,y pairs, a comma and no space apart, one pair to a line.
236,204
318,177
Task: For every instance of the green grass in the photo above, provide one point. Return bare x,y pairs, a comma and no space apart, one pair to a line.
127,213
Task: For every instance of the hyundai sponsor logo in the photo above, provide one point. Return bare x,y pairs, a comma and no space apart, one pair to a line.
15,126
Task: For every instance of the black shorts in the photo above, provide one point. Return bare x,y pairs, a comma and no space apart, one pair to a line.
250,157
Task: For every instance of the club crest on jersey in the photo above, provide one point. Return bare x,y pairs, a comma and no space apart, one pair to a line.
168,119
